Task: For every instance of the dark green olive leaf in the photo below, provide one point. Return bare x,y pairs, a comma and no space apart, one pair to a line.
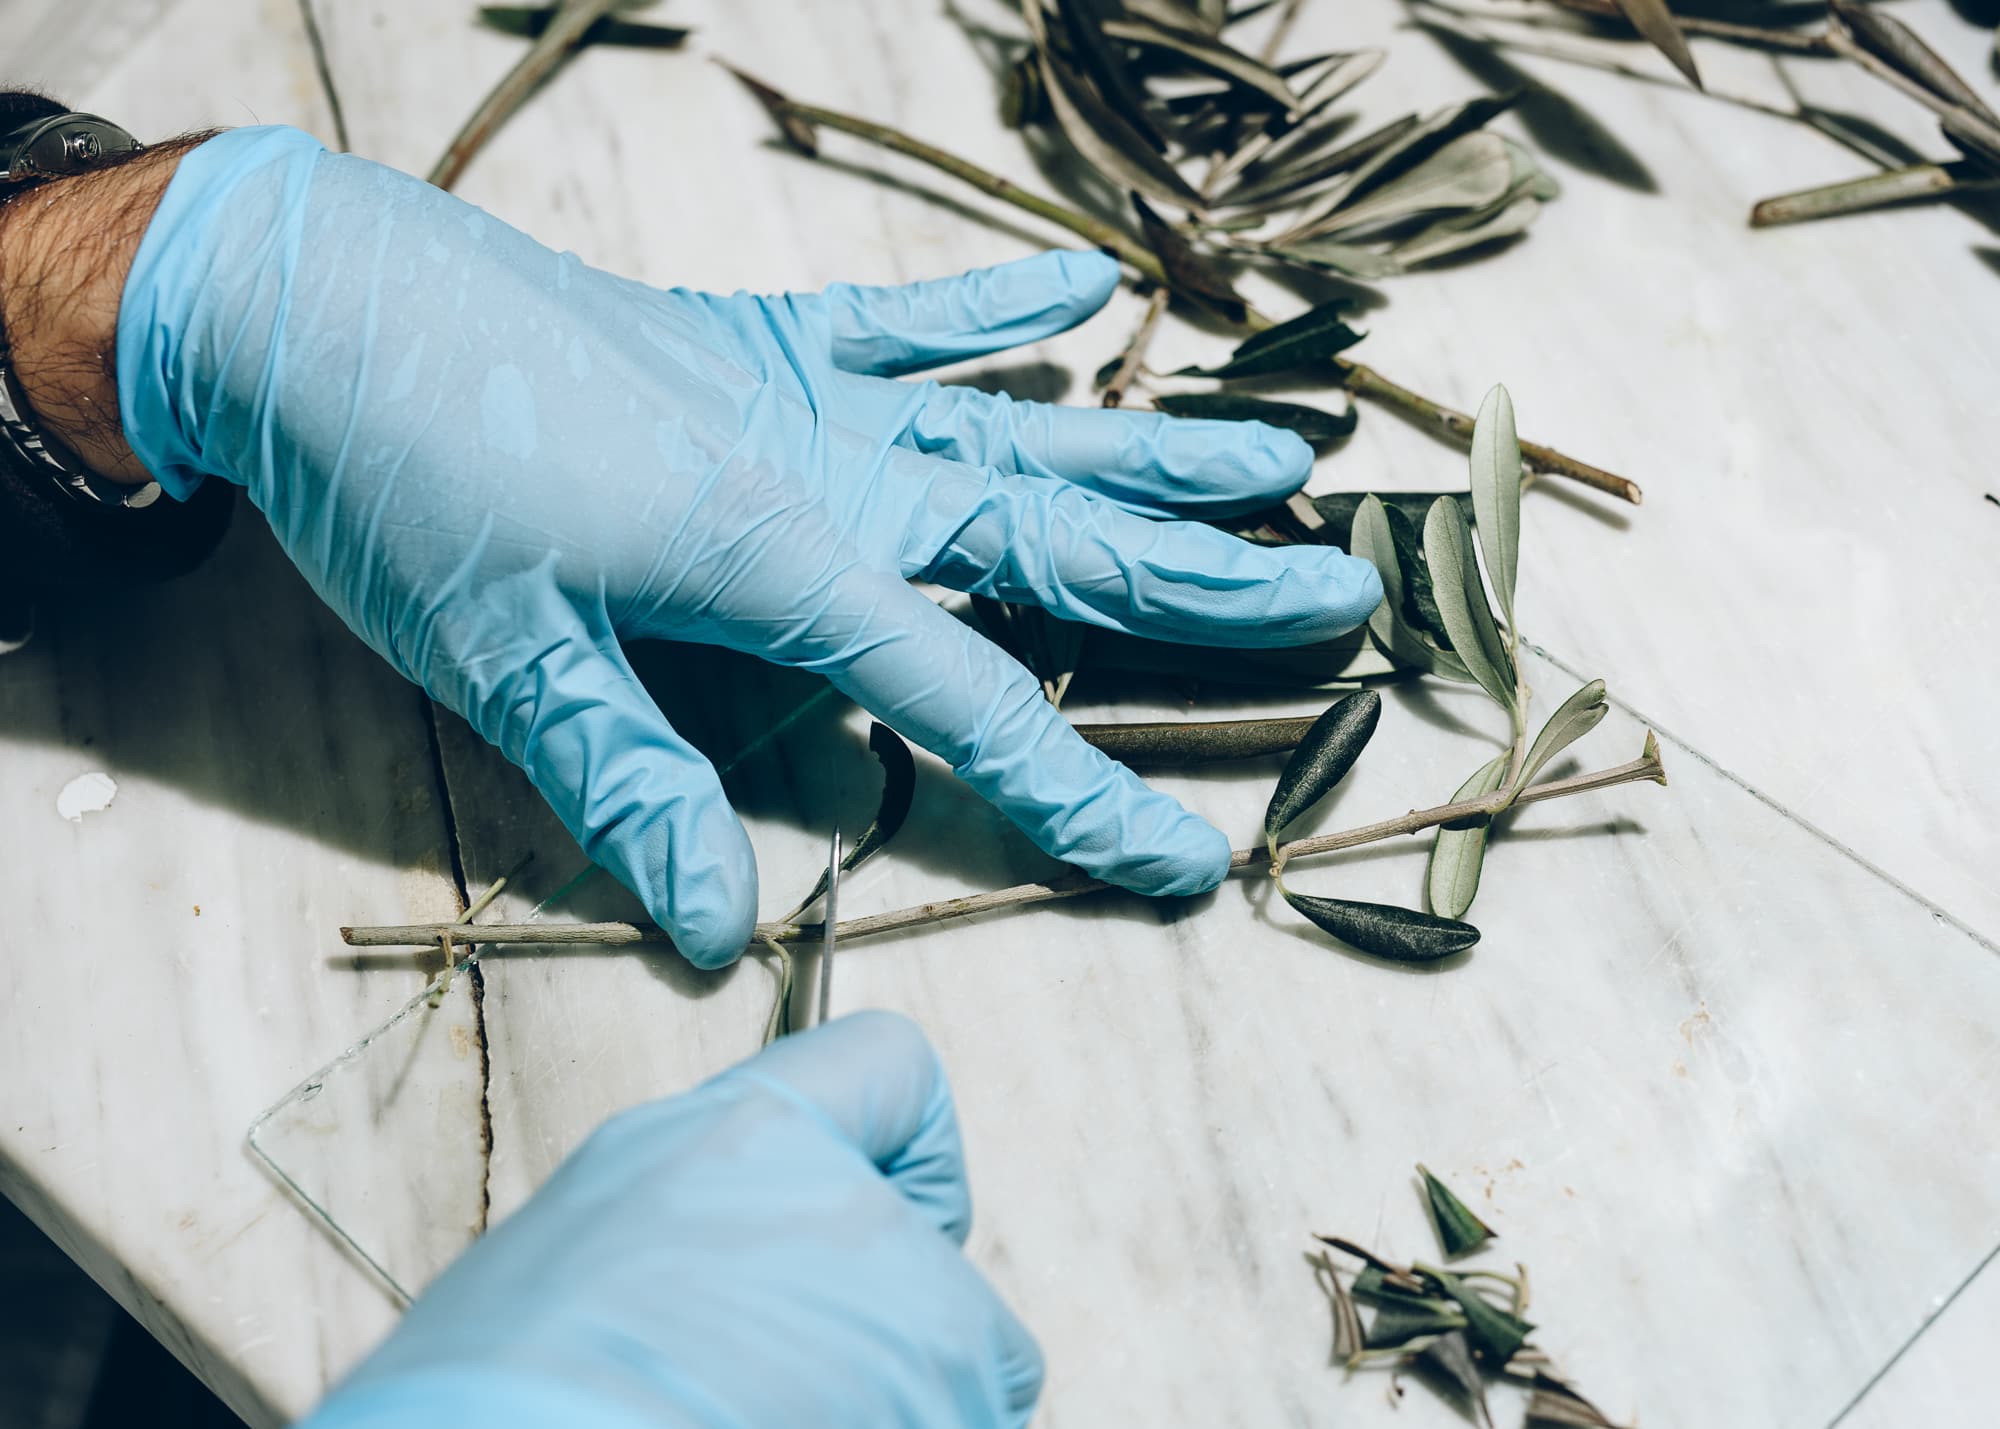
1495,1334
1338,508
1323,757
1579,715
1420,603
1448,1358
1190,273
1458,1229
1178,743
801,135
1312,337
528,21
899,787
1370,538
1372,1287
1656,22
1458,852
1399,1324
1101,378
1461,600
1333,665
1399,934
1312,423
1207,53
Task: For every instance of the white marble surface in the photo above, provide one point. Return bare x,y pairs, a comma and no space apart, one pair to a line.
1744,1076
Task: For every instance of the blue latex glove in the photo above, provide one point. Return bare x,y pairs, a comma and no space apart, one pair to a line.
777,1247
495,463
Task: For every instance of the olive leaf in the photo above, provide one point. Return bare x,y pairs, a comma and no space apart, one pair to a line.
1458,1229
1494,1333
1372,1287
1312,423
1338,509
1461,599
1414,145
899,787
1322,759
1398,934
1175,743
1555,1404
528,21
1470,172
1370,539
1207,53
1461,231
1420,607
1578,716
1656,22
1329,665
1399,1324
1496,494
1459,851
1311,337
1288,172
1449,1357
1107,139
1189,273
1903,50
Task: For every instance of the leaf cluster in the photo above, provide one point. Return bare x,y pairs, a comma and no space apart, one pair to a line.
1143,89
1460,1330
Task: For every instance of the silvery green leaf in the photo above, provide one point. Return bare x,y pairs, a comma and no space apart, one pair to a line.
1278,180
1656,22
1466,230
1370,540
1207,53
1407,152
1461,599
1579,715
1470,172
1348,259
1345,74
1457,854
1529,175
1496,494
1105,139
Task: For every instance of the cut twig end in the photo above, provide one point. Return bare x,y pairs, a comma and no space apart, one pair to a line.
798,133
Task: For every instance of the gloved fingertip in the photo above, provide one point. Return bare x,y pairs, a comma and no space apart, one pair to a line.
1091,275
1192,857
1022,1371
711,919
1282,460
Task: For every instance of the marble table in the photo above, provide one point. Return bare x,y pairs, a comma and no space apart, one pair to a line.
1722,1071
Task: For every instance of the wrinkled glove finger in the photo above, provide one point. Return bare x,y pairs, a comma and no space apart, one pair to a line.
886,331
876,1079
640,800
1050,543
891,650
1146,461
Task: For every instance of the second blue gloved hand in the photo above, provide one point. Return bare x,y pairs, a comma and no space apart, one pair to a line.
777,1247
497,463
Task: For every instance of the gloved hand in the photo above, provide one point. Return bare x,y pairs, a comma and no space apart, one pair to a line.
495,463
777,1247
